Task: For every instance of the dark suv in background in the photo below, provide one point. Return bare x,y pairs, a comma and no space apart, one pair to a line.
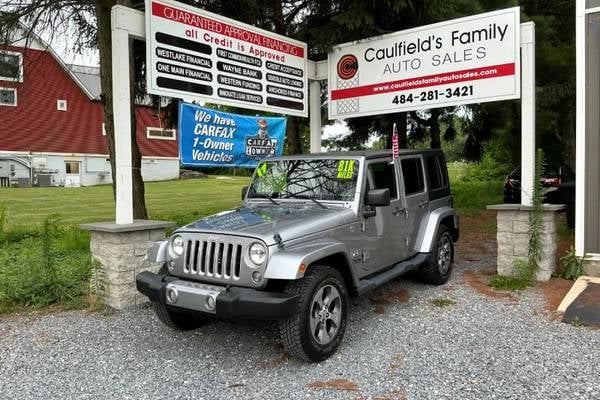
558,187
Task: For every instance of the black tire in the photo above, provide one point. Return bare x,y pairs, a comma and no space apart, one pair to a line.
175,319
296,333
434,272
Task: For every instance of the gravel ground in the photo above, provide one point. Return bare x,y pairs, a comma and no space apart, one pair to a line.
477,348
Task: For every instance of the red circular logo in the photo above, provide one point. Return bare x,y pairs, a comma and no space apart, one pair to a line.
347,66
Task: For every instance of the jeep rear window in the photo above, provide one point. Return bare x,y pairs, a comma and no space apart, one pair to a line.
412,173
328,179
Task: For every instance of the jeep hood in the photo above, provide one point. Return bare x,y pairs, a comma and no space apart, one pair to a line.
290,221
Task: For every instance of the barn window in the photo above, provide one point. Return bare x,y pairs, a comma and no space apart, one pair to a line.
72,167
158,133
8,97
11,66
61,105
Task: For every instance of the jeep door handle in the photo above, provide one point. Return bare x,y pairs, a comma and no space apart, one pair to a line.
423,204
398,211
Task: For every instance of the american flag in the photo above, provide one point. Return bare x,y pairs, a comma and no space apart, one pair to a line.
395,148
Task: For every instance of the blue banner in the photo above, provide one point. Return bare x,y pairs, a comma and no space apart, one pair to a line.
209,138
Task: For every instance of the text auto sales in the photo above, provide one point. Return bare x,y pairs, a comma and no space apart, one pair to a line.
433,42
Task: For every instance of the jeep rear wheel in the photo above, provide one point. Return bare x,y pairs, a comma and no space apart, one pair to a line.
438,270
316,331
176,319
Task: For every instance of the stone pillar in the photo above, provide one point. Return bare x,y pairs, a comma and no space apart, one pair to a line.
513,237
121,250
591,266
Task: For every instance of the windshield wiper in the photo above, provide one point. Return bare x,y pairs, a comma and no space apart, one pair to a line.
318,203
264,196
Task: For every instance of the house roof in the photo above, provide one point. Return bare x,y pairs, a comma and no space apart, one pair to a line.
25,37
89,77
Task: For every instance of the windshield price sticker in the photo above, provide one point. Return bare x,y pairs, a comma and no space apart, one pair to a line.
261,170
346,169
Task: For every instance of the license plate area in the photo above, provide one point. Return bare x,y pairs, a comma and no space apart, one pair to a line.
193,295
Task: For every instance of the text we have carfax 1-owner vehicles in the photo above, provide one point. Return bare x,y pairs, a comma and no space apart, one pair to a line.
313,230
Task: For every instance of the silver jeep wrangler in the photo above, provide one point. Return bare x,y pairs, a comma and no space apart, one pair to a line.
313,230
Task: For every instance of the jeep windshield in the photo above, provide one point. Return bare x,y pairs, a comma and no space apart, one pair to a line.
319,179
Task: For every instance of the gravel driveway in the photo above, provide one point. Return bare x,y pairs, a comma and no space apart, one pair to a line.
398,345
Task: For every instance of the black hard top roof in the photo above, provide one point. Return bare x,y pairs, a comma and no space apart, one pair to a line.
368,154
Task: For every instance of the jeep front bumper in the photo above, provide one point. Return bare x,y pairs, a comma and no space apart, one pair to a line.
221,301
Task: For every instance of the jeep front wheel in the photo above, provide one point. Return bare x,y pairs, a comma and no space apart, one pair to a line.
437,271
316,331
174,319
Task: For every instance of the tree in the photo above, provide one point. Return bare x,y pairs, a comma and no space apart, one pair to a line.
91,21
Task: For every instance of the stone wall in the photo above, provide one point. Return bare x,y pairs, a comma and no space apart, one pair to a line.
591,267
121,255
513,238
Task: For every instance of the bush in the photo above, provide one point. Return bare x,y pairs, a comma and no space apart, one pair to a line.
572,266
48,265
488,169
476,195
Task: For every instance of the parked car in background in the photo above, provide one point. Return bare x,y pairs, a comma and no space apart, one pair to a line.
558,187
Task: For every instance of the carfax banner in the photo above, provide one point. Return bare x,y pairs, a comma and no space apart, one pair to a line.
209,138
467,60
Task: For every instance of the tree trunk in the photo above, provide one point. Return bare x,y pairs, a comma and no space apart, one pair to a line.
139,199
293,136
103,15
402,128
434,128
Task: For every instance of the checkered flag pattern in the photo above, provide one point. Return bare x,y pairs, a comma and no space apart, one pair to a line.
348,105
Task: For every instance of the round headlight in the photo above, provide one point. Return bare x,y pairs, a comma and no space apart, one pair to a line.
177,246
258,253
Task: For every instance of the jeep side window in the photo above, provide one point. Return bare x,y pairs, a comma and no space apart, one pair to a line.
383,176
434,172
412,173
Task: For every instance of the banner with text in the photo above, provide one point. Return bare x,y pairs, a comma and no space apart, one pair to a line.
209,138
474,59
194,54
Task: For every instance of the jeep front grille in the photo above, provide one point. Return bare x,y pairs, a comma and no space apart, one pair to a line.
213,259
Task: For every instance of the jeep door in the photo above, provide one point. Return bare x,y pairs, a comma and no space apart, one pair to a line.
388,226
416,198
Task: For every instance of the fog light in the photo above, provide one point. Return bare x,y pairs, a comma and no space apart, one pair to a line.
172,295
256,277
210,303
171,265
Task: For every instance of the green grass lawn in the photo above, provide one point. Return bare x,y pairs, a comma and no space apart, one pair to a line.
179,200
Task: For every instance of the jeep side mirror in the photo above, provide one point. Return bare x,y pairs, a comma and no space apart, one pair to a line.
378,197
244,192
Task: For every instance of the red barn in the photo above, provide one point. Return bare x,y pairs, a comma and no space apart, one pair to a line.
51,123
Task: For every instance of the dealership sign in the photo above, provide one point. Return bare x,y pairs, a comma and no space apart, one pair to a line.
194,54
209,138
466,60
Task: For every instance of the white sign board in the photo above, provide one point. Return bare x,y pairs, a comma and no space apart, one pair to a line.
194,54
466,60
